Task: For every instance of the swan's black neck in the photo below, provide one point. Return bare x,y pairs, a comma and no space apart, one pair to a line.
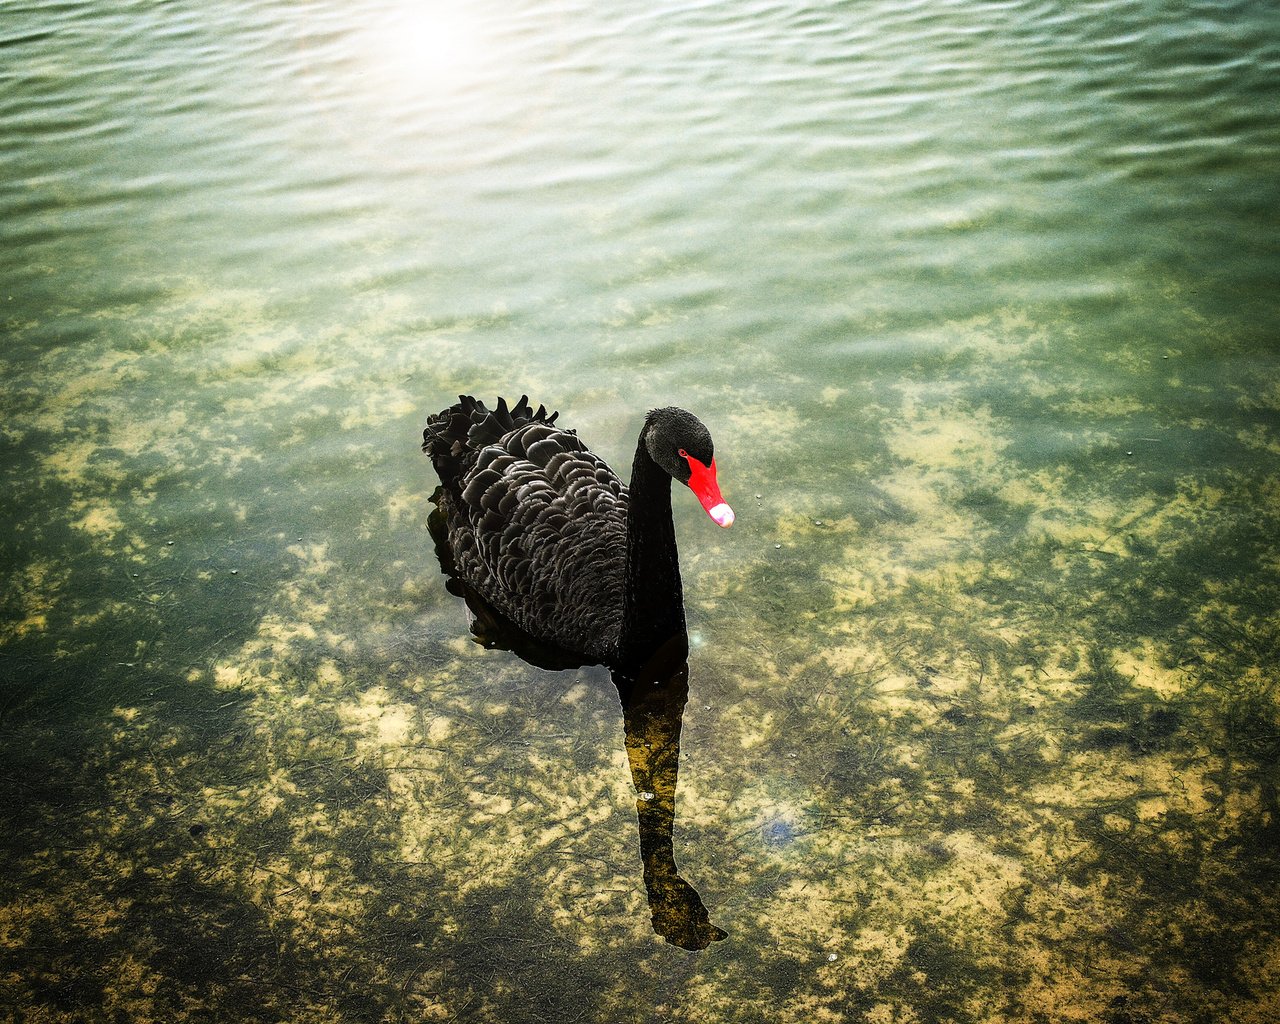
653,602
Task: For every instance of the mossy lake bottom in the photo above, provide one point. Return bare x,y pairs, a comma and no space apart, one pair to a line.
981,720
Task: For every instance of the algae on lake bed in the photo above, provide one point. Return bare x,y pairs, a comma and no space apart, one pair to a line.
979,303
975,732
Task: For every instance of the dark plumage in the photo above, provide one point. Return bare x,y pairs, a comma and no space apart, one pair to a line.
545,532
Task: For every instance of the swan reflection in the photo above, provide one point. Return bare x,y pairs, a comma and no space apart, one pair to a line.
652,713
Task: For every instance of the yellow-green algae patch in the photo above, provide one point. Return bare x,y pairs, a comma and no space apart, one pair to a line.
977,731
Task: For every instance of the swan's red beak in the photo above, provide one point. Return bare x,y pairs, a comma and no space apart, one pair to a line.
702,481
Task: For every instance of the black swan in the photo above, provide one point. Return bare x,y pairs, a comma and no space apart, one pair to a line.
545,532
561,564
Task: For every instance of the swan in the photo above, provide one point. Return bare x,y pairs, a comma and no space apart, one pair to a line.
541,528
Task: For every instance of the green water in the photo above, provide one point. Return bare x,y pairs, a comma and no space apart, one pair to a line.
979,301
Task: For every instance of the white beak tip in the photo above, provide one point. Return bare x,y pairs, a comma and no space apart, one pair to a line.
722,514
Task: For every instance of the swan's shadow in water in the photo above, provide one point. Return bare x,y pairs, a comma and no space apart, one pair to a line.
653,705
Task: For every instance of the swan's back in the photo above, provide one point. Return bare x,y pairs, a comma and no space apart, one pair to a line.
536,522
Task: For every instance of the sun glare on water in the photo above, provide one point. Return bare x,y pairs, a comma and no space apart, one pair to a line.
428,48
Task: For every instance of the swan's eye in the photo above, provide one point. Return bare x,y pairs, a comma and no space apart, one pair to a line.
682,453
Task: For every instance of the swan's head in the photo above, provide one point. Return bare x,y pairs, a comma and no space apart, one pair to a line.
678,442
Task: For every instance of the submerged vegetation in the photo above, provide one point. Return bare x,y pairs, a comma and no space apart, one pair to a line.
972,734
978,300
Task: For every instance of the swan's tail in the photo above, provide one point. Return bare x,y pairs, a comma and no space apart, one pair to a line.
455,436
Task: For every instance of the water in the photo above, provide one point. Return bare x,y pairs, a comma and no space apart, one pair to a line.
979,298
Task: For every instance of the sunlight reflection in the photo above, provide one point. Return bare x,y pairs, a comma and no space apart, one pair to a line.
426,47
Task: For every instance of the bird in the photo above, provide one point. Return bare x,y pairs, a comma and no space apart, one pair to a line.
545,532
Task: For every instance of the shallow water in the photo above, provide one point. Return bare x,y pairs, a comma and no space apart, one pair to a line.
979,301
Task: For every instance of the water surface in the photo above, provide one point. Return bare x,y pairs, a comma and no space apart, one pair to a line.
979,301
